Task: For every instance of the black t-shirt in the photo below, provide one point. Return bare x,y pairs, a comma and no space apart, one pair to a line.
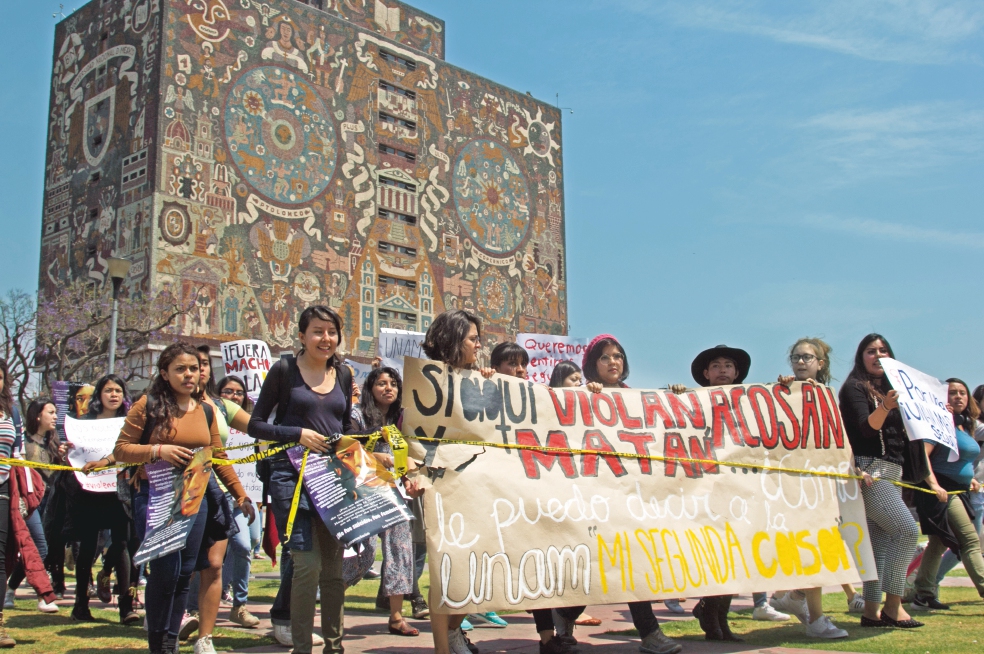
887,443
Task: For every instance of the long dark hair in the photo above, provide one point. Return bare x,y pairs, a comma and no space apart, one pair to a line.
6,397
96,405
321,312
562,371
590,371
32,419
875,386
372,412
206,351
165,404
247,404
446,336
968,417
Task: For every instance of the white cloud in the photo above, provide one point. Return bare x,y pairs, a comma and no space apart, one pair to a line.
908,31
895,141
896,231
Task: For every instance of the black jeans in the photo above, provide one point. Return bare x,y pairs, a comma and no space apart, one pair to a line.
4,527
642,616
167,585
280,611
117,556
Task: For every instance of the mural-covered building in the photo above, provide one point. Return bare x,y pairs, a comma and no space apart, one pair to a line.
253,158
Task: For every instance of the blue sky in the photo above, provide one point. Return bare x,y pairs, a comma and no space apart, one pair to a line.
741,172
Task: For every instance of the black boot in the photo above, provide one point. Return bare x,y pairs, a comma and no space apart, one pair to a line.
80,612
707,614
724,605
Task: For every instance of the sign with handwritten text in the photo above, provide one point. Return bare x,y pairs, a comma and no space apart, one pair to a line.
922,401
248,359
394,344
546,351
643,494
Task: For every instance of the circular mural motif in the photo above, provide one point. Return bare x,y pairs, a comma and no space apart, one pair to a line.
491,196
493,296
280,135
175,225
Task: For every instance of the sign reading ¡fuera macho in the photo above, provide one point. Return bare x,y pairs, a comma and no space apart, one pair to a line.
511,528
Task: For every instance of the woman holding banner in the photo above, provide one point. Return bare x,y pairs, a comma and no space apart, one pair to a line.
205,589
874,428
605,365
810,361
317,388
89,513
454,338
944,517
168,424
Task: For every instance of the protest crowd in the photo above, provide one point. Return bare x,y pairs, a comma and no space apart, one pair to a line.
122,544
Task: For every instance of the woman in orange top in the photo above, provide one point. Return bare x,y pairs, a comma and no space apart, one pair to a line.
179,426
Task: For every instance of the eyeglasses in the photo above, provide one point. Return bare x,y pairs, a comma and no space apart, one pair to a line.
609,358
232,393
805,358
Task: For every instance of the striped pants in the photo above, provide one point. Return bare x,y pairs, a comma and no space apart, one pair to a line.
893,531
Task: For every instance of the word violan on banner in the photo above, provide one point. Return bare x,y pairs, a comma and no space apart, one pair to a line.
695,507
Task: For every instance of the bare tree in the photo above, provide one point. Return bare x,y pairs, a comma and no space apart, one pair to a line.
18,320
73,330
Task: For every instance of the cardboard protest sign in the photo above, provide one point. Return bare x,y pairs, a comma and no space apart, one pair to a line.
175,499
922,401
248,359
351,491
92,440
361,371
546,351
512,529
245,471
394,344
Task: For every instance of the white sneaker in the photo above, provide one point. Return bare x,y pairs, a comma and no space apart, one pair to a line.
456,642
281,634
673,606
8,600
204,645
788,604
822,627
45,607
856,605
768,614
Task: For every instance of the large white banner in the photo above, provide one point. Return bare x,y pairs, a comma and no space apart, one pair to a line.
547,351
922,400
92,440
248,359
394,344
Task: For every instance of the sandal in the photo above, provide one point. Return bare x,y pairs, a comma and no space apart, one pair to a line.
900,624
403,629
587,622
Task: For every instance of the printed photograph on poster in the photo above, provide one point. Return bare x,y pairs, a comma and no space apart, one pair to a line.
175,498
92,440
354,494
248,359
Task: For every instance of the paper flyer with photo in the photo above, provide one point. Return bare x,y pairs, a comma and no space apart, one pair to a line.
92,440
354,494
175,498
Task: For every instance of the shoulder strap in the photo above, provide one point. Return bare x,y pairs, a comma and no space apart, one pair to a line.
287,365
209,414
149,425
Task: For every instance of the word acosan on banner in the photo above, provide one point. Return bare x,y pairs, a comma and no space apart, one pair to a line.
629,494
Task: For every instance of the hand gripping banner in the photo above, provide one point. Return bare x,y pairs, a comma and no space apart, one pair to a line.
545,497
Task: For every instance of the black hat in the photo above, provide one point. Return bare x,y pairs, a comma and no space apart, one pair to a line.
742,361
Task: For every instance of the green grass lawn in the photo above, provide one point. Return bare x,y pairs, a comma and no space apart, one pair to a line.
958,631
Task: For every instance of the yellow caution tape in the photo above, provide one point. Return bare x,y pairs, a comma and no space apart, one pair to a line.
676,459
297,496
254,457
397,444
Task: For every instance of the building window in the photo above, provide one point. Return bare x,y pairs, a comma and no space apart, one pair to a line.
386,214
396,59
398,184
400,249
395,281
390,88
386,149
386,314
393,120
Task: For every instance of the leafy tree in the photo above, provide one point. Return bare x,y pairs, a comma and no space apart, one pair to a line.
17,320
